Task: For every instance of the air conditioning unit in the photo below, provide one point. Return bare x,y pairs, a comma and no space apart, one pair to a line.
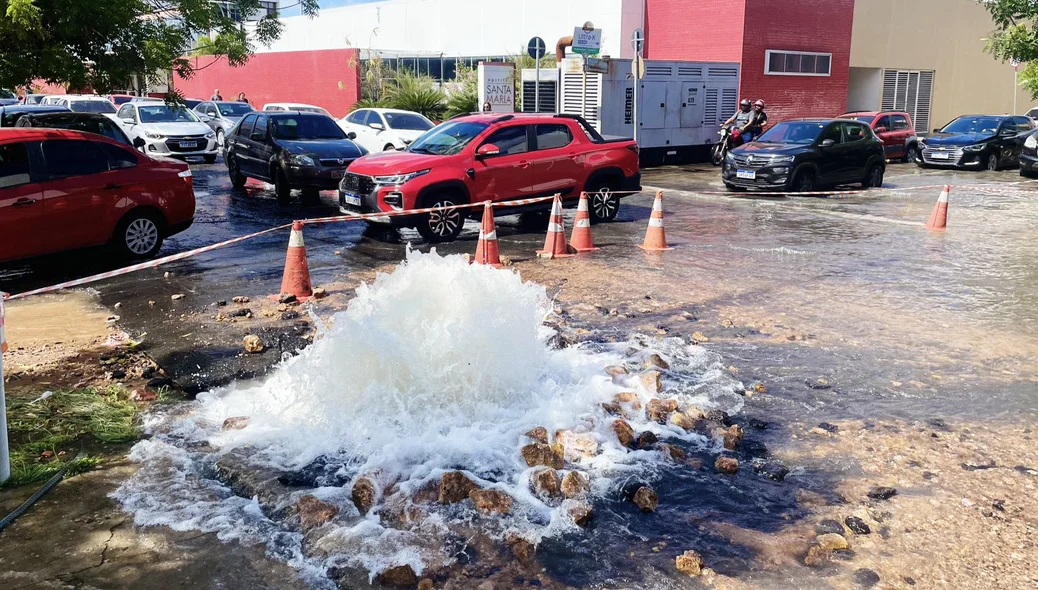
549,90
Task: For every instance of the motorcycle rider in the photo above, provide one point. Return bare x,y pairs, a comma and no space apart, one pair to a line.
757,122
742,118
749,121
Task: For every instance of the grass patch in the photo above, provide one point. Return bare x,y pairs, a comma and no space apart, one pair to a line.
83,420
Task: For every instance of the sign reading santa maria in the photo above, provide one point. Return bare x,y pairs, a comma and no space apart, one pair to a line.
497,87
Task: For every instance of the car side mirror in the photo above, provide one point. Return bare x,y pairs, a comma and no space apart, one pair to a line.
351,135
1008,132
881,129
486,150
138,142
827,143
376,126
204,118
129,121
257,136
936,130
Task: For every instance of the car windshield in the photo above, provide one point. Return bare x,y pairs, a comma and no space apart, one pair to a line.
447,139
234,109
121,99
161,113
408,121
5,93
867,119
801,132
92,106
306,127
34,98
972,125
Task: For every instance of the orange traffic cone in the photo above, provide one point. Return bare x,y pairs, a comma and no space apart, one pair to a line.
939,217
581,238
296,280
555,242
486,249
655,236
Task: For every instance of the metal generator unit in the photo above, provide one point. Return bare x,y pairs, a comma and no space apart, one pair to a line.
680,103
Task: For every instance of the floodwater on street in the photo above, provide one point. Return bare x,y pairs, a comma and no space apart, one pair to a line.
843,307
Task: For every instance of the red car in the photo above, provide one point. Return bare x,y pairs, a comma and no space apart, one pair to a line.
62,190
483,156
894,129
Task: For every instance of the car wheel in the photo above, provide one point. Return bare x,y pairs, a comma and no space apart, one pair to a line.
442,226
237,178
138,235
209,159
603,204
991,164
716,155
912,154
282,189
1026,173
803,181
389,148
220,139
873,178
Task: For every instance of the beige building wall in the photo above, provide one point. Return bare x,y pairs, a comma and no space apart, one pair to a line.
946,36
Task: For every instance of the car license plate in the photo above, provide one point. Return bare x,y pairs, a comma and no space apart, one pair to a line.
940,156
188,144
746,174
338,173
351,199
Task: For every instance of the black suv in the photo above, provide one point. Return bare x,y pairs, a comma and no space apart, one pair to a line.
986,141
291,150
806,154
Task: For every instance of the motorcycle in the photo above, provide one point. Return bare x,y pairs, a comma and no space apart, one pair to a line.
730,138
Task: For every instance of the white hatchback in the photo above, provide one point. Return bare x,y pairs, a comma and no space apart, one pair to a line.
380,130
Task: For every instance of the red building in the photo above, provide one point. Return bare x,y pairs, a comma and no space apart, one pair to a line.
795,54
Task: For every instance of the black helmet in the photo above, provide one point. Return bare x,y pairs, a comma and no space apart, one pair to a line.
745,103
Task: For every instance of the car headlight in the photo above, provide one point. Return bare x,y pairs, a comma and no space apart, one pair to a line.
975,147
400,178
301,160
1031,142
921,144
781,159
211,134
729,157
153,135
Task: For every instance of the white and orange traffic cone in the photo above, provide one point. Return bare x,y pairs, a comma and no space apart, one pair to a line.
581,239
939,217
555,242
655,236
296,280
487,251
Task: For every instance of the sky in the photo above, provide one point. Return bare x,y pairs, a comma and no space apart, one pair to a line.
294,11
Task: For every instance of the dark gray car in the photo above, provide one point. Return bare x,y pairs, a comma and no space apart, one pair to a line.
223,116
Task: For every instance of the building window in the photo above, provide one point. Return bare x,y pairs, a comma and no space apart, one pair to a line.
797,63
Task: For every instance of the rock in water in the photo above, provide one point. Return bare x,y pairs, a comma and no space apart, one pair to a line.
615,371
690,563
882,493
866,577
575,445
522,549
772,470
541,454
646,499
425,584
683,421
698,337
647,440
673,451
364,494
829,526
313,512
659,410
628,397
575,485
545,484
624,432
727,464
539,434
732,437
252,344
580,511
491,501
401,576
651,381
455,487
287,298
817,556
720,416
832,542
235,423
857,525
656,361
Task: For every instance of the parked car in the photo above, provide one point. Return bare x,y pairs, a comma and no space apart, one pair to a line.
295,106
291,150
1033,113
985,141
86,122
34,99
64,190
493,157
7,97
83,103
807,154
9,115
381,130
120,99
168,130
1029,157
223,116
894,129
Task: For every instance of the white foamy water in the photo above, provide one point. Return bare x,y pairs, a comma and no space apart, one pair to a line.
438,366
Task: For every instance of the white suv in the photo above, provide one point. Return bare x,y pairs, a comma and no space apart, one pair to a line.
82,103
168,130
380,130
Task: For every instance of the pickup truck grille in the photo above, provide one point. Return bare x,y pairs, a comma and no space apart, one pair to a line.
357,184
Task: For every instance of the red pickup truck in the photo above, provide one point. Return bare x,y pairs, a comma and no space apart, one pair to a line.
894,129
485,156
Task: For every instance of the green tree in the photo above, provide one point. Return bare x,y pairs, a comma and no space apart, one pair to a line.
463,93
411,92
1016,37
103,43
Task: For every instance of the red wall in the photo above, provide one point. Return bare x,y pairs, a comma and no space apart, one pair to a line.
742,30
328,78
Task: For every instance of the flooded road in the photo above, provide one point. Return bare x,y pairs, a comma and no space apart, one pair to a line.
783,312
